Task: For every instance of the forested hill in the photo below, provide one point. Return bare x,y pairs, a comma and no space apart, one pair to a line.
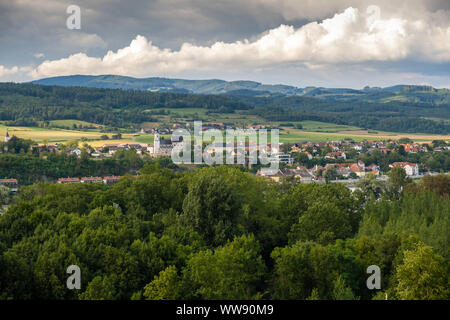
29,104
399,93
392,116
213,86
25,104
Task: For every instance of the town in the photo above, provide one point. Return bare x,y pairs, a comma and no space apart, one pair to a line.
344,161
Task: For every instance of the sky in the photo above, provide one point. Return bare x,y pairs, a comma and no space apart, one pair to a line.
329,43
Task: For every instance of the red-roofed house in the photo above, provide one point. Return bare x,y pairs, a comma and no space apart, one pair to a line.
10,183
336,155
111,179
91,179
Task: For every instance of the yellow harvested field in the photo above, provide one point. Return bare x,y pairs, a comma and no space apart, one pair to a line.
59,135
101,143
364,134
396,136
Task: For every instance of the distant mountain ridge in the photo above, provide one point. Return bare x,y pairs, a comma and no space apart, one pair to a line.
402,93
156,84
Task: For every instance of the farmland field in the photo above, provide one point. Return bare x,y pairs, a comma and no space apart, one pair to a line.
191,114
70,123
53,135
293,135
312,131
317,126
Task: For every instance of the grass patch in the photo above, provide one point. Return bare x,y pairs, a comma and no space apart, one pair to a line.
70,123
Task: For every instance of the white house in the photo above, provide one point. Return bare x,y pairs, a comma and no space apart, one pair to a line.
75,151
411,169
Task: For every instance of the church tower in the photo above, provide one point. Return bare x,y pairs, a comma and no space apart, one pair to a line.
7,137
156,143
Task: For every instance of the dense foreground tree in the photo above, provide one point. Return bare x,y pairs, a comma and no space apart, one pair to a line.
423,275
222,233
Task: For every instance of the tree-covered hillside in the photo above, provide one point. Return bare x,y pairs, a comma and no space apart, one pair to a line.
213,86
27,104
401,93
391,116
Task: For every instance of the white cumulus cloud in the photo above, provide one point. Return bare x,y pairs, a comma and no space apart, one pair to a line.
352,36
15,72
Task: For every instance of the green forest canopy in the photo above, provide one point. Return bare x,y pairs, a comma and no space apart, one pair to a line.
221,233
27,104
